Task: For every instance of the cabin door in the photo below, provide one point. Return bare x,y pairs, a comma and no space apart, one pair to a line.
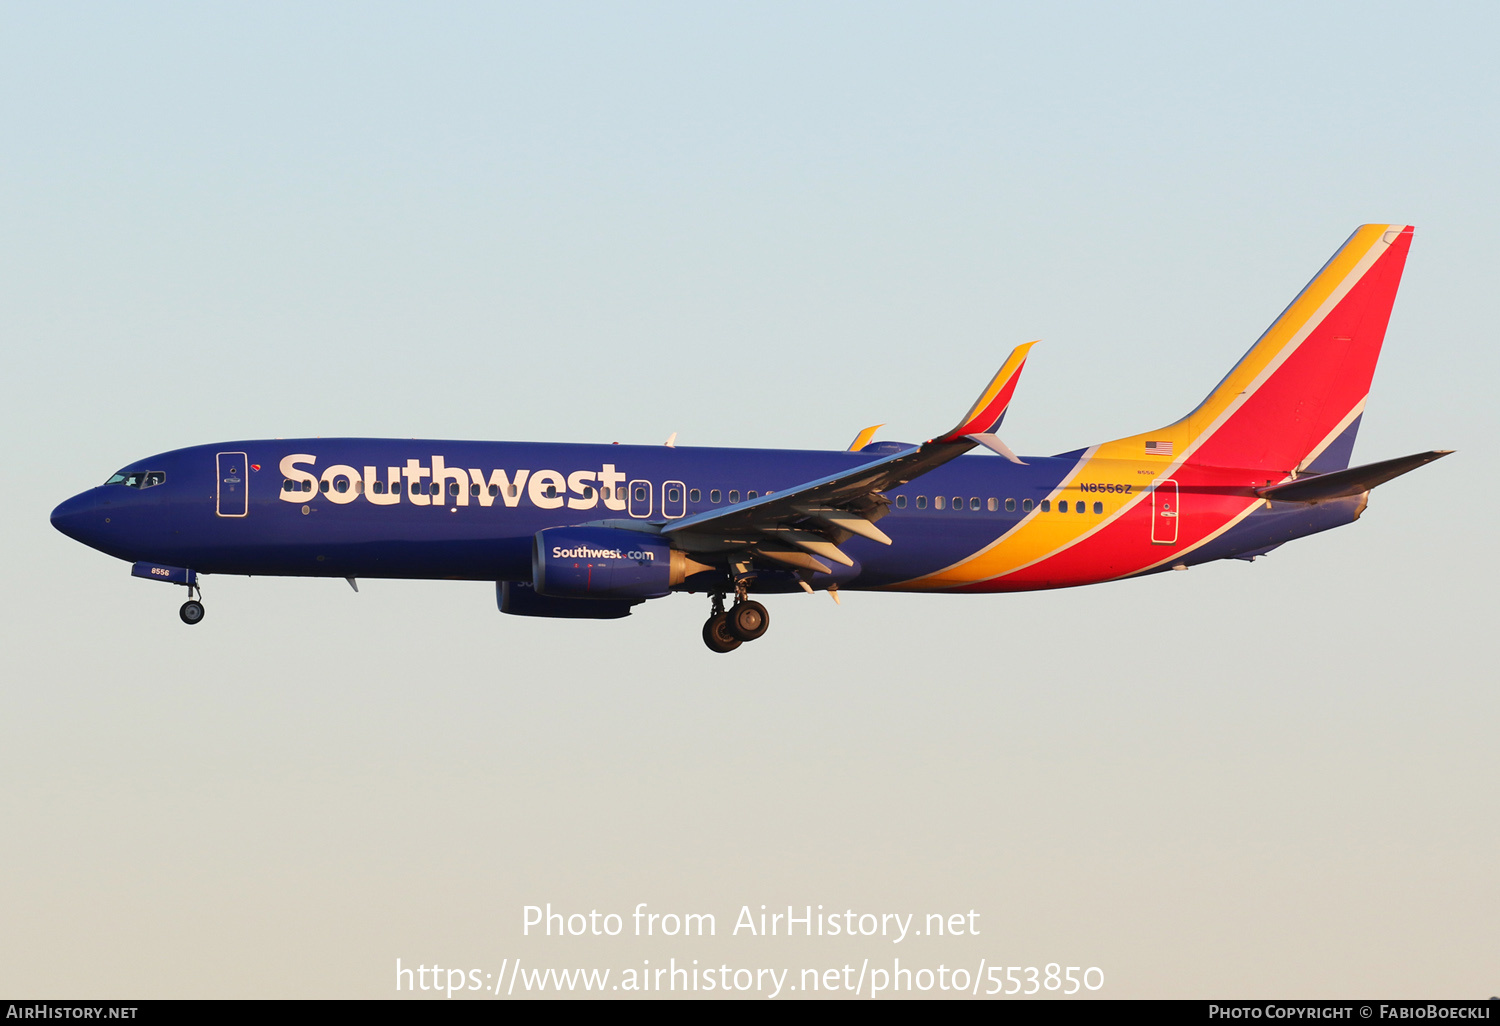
234,478
640,498
1164,513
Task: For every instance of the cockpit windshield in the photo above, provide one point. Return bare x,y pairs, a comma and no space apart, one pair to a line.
138,478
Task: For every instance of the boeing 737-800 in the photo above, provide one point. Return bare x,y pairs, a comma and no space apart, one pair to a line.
590,531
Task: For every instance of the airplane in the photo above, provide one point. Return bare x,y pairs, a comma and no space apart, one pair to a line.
591,531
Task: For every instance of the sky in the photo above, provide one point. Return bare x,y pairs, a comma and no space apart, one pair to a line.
768,225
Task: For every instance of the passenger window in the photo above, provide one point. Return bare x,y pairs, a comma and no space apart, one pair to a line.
1010,505
551,492
992,505
958,502
640,494
1078,507
694,495
473,489
323,486
974,504
1062,507
307,485
900,502
1025,505
514,490
921,502
287,484
734,496
588,493
359,486
674,494
1098,507
752,495
452,487
715,496
1046,505
494,489
341,485
414,487
938,502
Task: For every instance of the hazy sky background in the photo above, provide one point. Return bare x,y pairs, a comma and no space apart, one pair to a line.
750,224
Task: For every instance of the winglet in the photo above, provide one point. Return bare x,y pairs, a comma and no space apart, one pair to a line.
863,438
985,415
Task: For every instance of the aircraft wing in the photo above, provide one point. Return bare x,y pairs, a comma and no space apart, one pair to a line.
812,518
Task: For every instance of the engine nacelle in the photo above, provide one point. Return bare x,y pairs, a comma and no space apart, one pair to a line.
606,563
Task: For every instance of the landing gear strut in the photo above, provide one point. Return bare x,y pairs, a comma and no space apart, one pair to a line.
192,610
725,630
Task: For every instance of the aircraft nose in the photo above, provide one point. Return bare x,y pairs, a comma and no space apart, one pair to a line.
77,516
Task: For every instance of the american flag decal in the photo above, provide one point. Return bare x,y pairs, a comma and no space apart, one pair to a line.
1158,448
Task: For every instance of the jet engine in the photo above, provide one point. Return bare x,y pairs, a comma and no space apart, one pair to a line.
606,563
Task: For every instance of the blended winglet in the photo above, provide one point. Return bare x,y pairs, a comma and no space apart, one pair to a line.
863,438
989,409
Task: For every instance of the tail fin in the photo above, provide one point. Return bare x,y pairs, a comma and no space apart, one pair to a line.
1293,402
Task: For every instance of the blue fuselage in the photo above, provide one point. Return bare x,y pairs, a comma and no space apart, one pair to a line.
359,507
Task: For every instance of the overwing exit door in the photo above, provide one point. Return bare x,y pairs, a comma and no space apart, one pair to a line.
234,479
640,498
1164,513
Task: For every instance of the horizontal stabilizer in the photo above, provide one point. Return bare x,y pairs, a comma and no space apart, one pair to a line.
1342,483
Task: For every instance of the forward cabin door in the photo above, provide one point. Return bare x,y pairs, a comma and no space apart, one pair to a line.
234,492
1164,513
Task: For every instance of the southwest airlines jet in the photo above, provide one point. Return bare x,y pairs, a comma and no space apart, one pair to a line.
589,531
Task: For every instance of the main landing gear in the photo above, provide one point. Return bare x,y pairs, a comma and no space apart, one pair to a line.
726,630
192,610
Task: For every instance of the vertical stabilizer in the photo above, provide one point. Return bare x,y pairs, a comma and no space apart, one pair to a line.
1294,401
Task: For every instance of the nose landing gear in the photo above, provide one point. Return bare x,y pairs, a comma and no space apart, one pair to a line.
192,610
727,630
